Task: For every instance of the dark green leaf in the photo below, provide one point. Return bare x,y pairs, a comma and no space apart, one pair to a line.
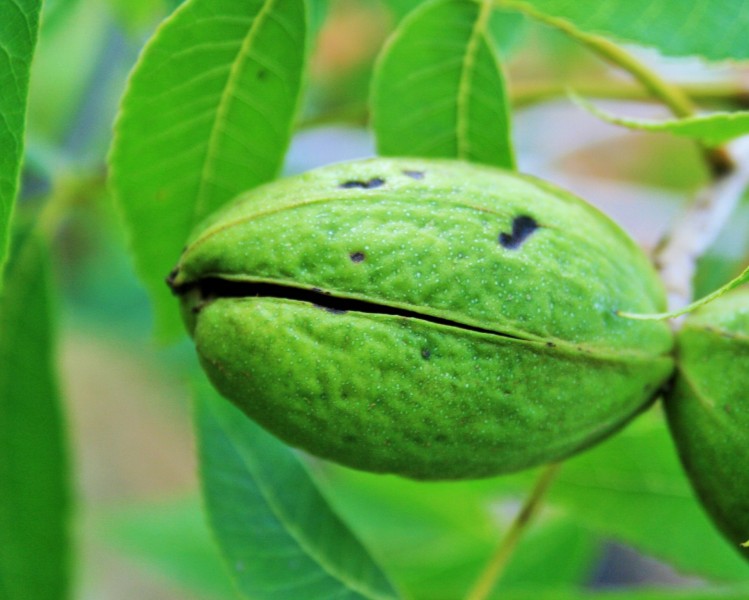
19,21
172,539
439,90
713,29
207,114
278,534
34,493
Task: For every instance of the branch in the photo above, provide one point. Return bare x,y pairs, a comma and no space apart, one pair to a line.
699,226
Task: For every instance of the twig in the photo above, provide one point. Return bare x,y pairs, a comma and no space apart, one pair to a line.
731,93
699,226
494,568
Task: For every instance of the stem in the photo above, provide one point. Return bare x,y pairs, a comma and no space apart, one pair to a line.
498,561
728,92
699,226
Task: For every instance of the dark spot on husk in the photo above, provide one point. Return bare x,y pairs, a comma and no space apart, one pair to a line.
357,257
522,227
551,344
375,182
440,438
262,74
349,438
414,174
426,353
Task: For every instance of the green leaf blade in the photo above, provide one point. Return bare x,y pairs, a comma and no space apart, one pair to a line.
674,27
633,488
439,90
278,535
712,129
19,24
171,538
207,114
34,488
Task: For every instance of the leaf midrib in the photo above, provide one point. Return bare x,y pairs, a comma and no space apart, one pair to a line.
227,97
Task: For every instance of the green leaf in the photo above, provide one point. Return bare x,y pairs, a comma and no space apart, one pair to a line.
278,534
172,539
438,90
19,22
34,492
436,537
633,488
713,129
207,114
739,593
713,29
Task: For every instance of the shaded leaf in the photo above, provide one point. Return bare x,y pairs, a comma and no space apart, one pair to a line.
19,23
713,29
278,534
34,488
207,114
713,129
172,539
439,90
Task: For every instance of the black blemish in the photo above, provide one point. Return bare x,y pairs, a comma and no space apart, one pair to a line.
414,174
356,257
349,438
375,182
426,353
522,227
551,344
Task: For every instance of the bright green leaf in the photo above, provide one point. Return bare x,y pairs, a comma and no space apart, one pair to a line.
19,21
633,488
506,29
712,129
278,534
34,492
436,537
713,29
439,89
172,539
207,114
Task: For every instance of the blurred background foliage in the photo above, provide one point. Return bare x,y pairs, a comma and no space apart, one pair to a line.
619,516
